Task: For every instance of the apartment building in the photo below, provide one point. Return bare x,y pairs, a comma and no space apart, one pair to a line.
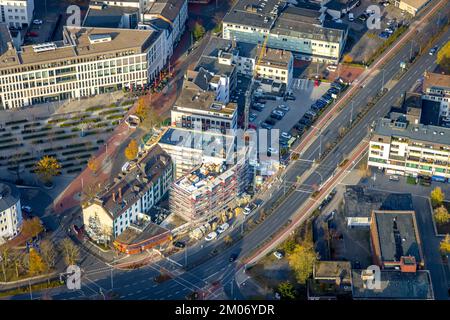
87,62
10,211
302,28
436,88
401,145
16,13
275,65
130,196
208,189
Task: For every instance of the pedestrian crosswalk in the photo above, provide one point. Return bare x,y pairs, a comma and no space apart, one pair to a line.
302,84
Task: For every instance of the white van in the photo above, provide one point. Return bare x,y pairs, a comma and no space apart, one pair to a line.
351,17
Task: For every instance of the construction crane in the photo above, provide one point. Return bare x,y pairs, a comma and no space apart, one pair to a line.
261,55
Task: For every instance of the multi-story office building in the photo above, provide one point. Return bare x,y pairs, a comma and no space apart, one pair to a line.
302,29
16,13
132,194
404,146
198,107
87,62
10,211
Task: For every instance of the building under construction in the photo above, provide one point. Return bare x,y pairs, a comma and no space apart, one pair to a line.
208,189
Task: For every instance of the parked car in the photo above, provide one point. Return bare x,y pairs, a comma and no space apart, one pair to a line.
267,126
37,21
223,227
179,244
433,51
394,178
286,135
211,236
126,166
276,116
270,121
305,121
233,257
27,209
289,97
327,97
284,108
351,17
249,208
332,68
252,117
258,106
32,34
272,150
384,35
279,255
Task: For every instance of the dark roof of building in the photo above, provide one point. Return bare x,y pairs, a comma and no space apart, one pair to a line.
9,195
258,13
430,112
135,183
108,16
397,234
395,285
132,235
213,66
360,201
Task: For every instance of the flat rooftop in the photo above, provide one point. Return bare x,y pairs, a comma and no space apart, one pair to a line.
333,270
258,13
194,97
397,234
395,285
360,201
78,43
436,81
216,45
213,145
418,132
275,58
108,16
305,23
212,65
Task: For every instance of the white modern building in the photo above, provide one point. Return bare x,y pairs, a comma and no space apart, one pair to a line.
10,212
16,13
436,87
300,27
87,62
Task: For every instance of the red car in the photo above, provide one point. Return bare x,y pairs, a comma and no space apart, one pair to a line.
32,34
316,82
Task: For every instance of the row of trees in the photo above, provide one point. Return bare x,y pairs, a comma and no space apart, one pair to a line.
17,263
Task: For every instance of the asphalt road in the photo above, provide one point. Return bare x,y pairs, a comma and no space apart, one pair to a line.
139,284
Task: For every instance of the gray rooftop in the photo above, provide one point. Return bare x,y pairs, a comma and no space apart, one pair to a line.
418,132
108,16
243,49
395,285
258,13
9,195
397,235
360,201
213,66
215,144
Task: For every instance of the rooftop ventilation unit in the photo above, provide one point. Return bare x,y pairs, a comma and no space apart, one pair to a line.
99,38
44,47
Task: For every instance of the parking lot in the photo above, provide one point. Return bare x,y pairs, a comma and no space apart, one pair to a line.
305,95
